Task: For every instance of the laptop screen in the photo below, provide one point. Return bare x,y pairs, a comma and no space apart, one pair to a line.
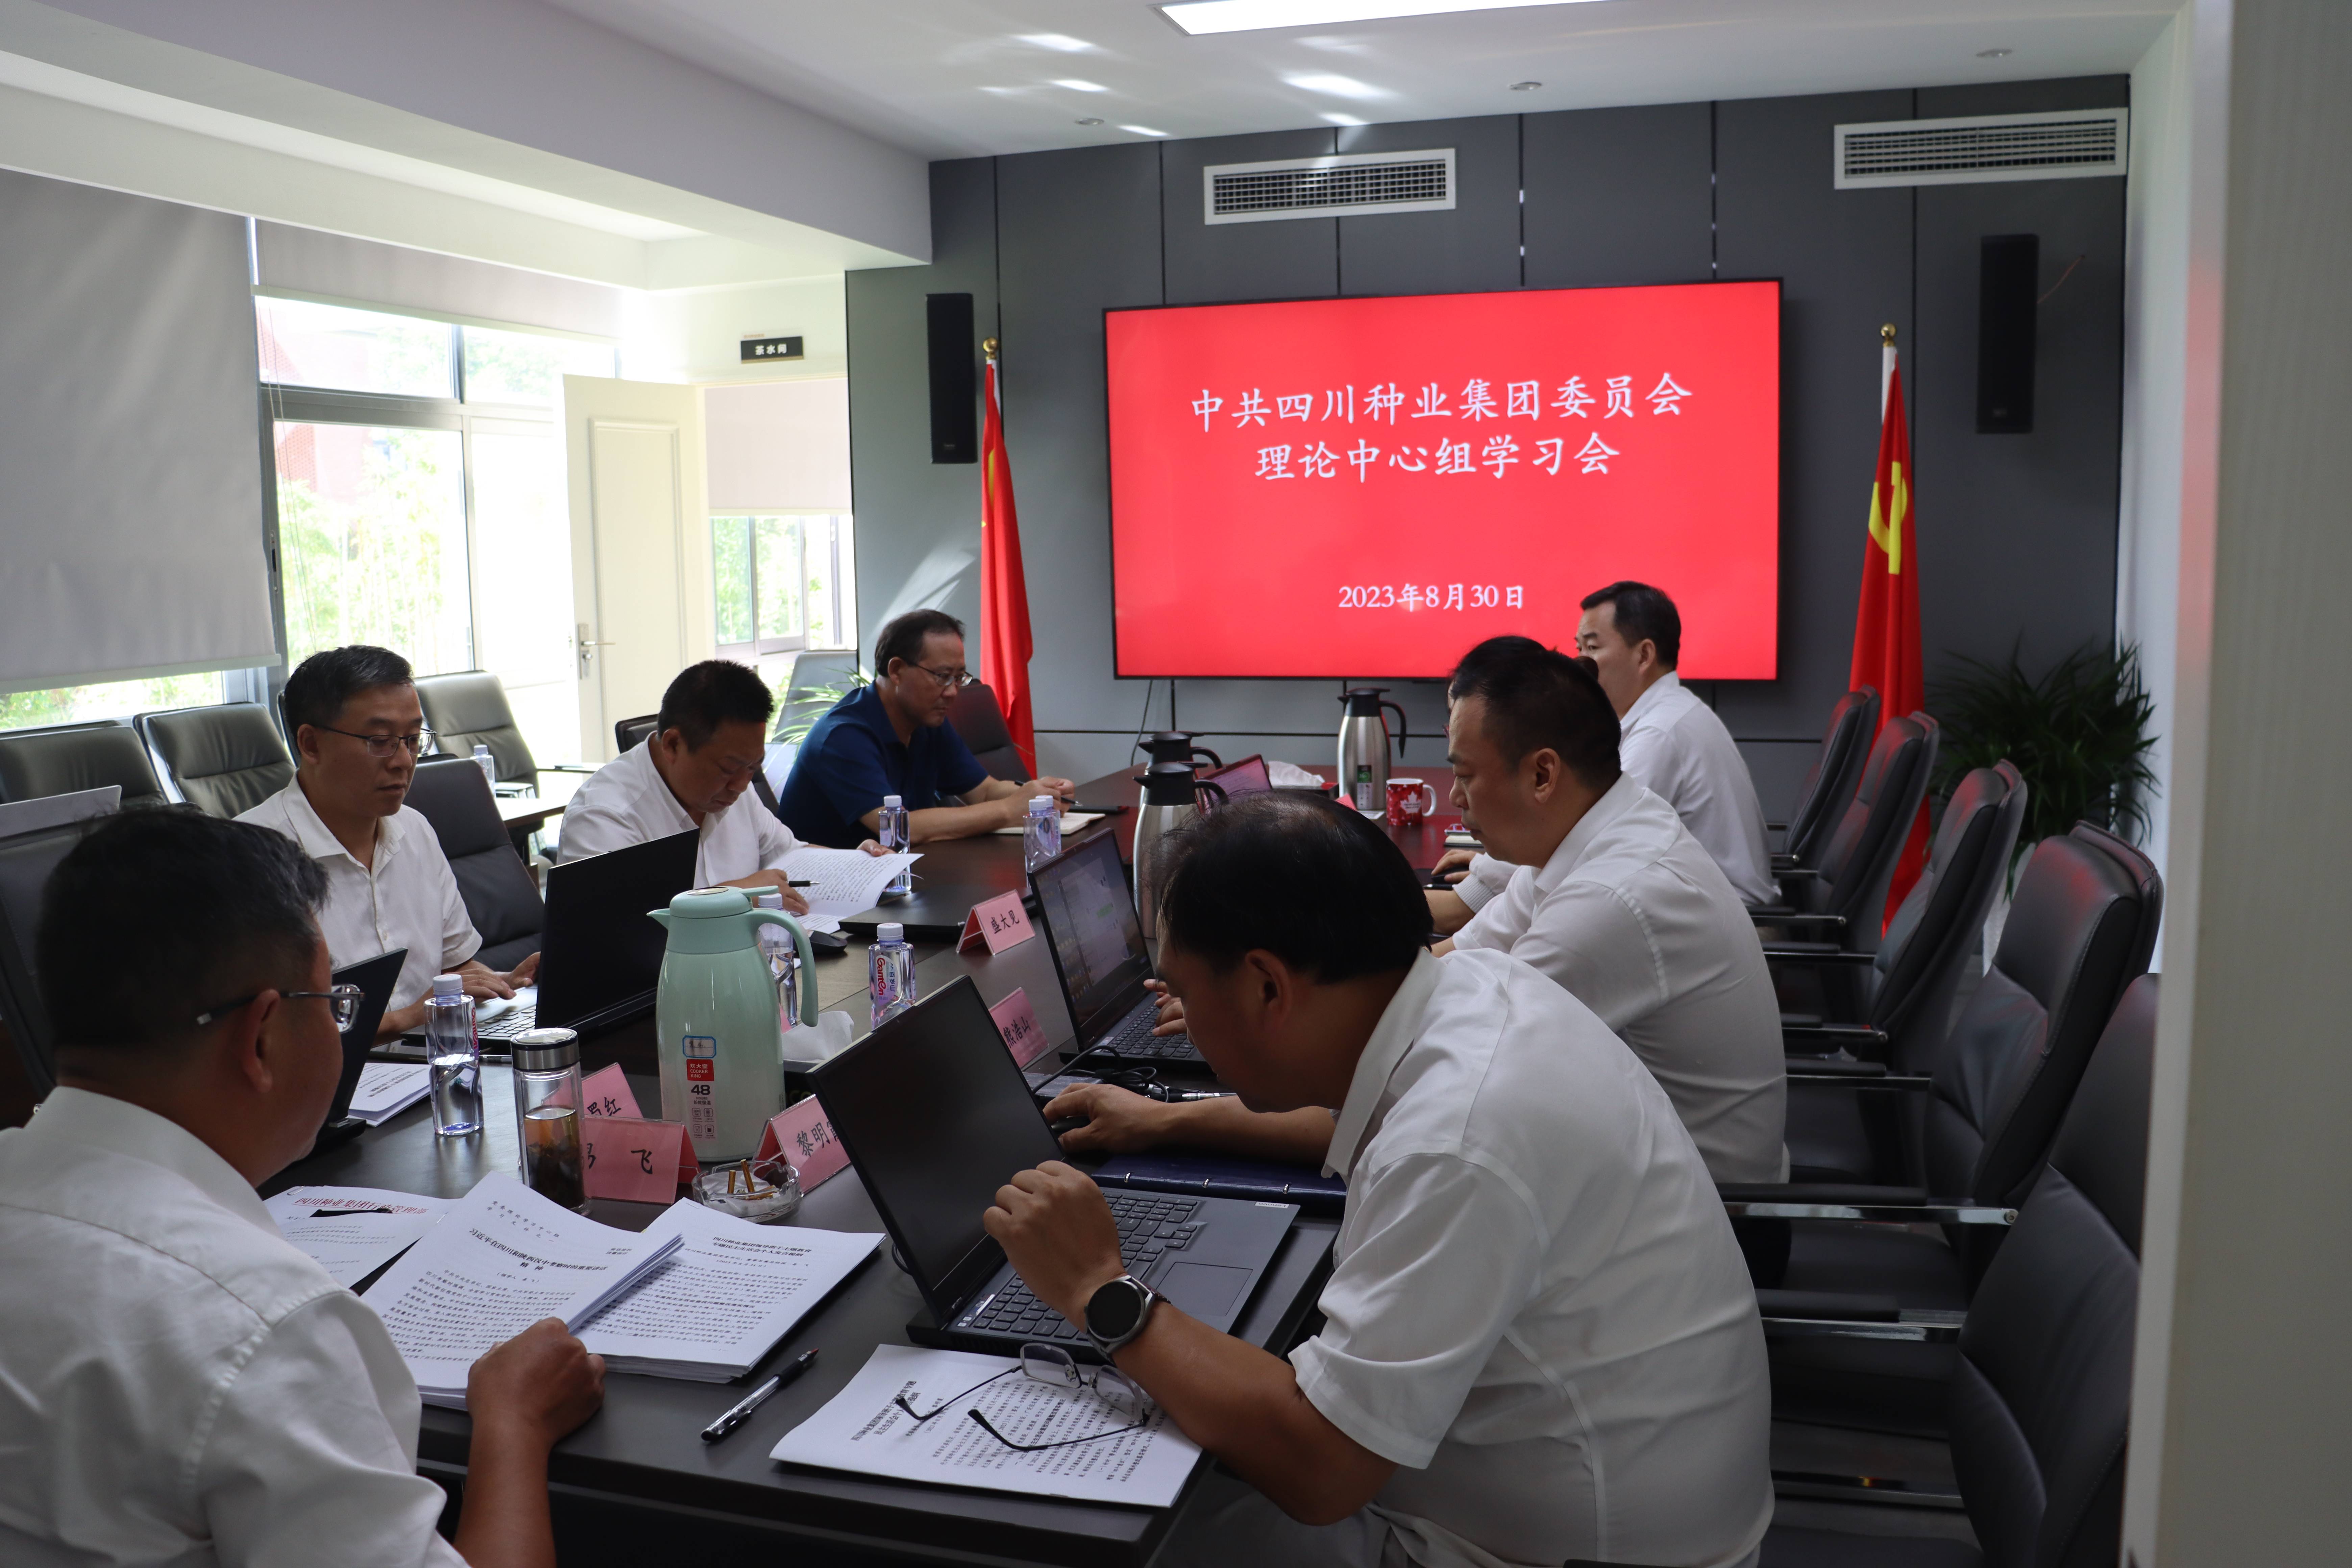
599,948
1243,775
1098,942
937,1116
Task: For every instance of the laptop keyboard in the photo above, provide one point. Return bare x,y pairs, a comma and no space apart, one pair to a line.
1149,1224
1134,1041
508,1023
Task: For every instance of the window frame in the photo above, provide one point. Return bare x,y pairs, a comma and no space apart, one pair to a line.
759,646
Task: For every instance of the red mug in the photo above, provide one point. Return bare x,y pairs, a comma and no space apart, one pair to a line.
1410,802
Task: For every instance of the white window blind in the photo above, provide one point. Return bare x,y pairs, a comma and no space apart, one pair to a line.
368,272
130,521
778,445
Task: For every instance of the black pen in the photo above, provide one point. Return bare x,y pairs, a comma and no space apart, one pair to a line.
742,1412
799,884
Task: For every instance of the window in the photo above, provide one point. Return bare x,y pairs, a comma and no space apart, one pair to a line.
113,700
421,497
782,583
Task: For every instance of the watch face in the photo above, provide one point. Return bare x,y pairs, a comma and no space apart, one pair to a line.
1113,1311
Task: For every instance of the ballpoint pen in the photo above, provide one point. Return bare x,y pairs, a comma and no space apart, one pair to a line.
740,1412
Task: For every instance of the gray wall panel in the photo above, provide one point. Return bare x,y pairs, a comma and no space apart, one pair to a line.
1619,195
1474,248
916,537
1844,261
1288,259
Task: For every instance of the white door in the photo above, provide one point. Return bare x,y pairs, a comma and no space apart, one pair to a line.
640,546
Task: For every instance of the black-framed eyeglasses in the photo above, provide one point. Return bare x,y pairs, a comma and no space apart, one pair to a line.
1052,1365
345,999
415,742
953,680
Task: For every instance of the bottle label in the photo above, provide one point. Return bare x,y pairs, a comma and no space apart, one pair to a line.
701,1053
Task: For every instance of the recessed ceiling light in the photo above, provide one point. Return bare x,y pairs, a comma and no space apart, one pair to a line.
1075,84
1061,43
1141,131
1994,54
1247,16
1525,86
1091,120
1336,86
1344,120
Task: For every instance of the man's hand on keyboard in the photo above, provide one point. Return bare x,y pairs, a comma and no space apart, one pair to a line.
1060,1235
1172,1008
482,980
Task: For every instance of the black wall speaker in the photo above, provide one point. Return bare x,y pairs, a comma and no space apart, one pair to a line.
2009,275
955,400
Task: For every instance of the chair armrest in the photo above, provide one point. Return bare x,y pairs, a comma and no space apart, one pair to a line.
1813,1032
1814,952
1917,1327
1769,915
1835,1067
1795,873
1776,827
1824,1200
1849,1305
1802,1072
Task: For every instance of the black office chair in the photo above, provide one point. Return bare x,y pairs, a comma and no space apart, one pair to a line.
2039,1404
1830,782
470,708
2080,931
224,760
501,896
1842,906
979,721
628,733
31,846
37,763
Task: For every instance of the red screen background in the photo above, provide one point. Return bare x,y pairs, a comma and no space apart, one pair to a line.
1284,502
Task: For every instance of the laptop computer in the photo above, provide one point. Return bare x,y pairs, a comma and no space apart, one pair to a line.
1098,953
599,956
1243,775
936,1117
375,977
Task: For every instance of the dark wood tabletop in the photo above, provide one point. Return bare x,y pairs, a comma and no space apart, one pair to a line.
1422,844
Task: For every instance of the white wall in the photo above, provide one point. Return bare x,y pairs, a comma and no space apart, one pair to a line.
695,334
2156,308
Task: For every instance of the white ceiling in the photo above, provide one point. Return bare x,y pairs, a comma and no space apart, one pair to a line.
955,78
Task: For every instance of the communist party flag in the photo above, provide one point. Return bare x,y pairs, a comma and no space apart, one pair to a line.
1005,643
1886,625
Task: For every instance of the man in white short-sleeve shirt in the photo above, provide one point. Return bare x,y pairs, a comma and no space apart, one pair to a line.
1541,1343
693,774
357,728
178,1383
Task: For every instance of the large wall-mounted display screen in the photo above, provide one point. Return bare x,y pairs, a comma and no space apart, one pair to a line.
1358,488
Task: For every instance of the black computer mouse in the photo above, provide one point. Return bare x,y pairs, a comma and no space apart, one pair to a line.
1067,1124
827,941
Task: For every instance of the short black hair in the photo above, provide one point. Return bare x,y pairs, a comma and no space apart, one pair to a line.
1304,877
904,637
315,693
715,691
1538,697
1643,614
224,909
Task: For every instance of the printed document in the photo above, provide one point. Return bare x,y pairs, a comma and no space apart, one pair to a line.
841,881
863,1429
500,1261
352,1232
1072,821
731,1290
387,1089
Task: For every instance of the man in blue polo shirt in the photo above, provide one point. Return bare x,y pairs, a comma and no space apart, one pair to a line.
893,738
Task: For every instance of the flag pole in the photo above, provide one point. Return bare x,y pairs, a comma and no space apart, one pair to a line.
1885,364
988,348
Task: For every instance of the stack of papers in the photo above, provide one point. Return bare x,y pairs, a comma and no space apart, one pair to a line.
352,1232
719,1304
841,881
863,1429
387,1089
498,1262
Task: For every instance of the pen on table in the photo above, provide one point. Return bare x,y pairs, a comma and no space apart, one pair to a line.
801,884
742,1412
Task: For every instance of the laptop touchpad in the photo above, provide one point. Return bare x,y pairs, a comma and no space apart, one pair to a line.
1206,1290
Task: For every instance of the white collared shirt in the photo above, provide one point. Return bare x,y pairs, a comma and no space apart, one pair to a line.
1676,746
627,801
179,1385
408,898
1637,921
1536,1304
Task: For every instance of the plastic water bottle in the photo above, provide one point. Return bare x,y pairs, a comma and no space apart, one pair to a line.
1041,838
891,829
483,761
784,958
453,1055
890,972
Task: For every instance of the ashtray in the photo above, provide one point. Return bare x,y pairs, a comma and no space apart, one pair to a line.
765,1192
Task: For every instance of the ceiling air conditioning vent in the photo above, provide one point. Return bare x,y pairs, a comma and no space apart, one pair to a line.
2070,145
1351,184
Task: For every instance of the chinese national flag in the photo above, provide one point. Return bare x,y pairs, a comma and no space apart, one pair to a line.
1886,625
1004,644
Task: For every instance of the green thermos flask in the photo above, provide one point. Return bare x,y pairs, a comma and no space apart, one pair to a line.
719,1040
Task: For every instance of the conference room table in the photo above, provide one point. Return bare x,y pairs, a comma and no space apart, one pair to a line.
1422,843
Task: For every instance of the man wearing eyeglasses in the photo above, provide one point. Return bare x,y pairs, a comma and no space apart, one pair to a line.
178,1383
357,729
893,738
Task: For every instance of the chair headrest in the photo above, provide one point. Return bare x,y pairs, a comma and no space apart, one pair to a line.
2101,1145
63,762
469,703
454,797
198,742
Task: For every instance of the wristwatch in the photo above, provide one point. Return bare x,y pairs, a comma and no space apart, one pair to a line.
1117,1312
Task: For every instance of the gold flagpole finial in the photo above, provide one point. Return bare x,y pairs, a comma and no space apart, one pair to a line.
1886,334
988,346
